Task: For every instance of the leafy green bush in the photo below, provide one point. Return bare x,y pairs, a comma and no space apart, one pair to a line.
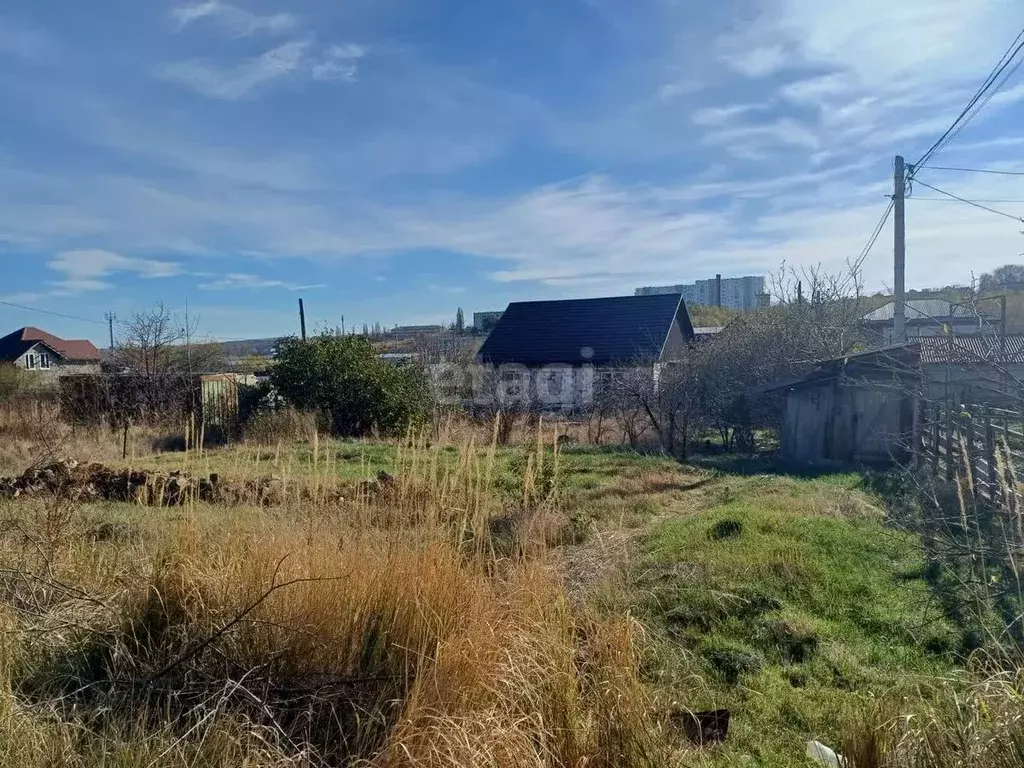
352,390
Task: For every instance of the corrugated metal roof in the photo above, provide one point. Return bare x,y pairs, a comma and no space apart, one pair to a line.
964,350
577,331
926,309
971,349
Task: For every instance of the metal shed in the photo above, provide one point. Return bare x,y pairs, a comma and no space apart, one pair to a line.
866,408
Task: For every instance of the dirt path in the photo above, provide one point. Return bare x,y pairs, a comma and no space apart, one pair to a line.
605,554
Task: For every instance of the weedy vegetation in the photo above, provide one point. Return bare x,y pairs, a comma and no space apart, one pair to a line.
439,599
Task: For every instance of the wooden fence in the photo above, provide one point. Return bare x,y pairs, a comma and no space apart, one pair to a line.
981,443
209,400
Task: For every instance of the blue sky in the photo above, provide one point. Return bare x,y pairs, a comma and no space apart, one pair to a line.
390,160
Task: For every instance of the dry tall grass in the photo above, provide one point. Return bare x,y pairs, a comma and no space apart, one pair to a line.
32,429
419,624
952,726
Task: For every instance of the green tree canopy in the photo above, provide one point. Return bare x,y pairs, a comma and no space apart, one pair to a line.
353,390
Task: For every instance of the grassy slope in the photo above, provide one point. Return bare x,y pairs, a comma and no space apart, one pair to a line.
786,600
789,602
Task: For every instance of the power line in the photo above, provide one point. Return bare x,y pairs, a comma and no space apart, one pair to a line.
874,235
1005,60
48,312
985,101
971,202
976,170
948,200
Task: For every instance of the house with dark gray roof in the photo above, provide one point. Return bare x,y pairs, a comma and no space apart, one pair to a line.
930,317
551,352
47,356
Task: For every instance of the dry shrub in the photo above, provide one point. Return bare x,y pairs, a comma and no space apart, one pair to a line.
312,638
394,653
281,425
29,416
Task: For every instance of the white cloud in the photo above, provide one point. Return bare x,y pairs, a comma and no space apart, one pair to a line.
881,44
812,91
758,62
757,141
589,235
239,81
822,143
234,20
245,281
719,116
82,269
340,62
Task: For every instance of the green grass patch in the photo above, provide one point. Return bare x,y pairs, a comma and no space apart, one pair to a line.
788,601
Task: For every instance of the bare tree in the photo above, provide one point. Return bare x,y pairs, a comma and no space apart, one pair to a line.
661,398
157,343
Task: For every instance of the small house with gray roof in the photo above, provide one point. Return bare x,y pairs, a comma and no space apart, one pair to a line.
553,352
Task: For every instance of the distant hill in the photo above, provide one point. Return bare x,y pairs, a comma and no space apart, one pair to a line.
250,347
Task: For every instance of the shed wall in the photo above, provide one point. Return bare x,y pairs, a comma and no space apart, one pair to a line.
833,423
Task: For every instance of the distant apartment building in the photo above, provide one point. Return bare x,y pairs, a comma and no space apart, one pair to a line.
743,293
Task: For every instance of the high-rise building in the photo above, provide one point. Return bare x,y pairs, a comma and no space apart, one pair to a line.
736,292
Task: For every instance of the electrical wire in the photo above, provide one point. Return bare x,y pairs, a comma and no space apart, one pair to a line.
48,312
874,236
949,200
976,170
971,202
985,101
1005,60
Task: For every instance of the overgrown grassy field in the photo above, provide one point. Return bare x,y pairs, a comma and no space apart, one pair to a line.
507,606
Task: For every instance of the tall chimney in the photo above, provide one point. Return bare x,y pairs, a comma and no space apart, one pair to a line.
718,290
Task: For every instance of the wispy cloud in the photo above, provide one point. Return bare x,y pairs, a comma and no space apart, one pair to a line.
234,20
239,81
82,270
757,62
30,44
673,145
244,281
724,115
339,62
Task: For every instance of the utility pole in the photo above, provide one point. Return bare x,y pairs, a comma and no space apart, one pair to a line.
899,297
110,324
302,319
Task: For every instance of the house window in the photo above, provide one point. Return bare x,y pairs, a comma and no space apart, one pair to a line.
30,362
44,361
